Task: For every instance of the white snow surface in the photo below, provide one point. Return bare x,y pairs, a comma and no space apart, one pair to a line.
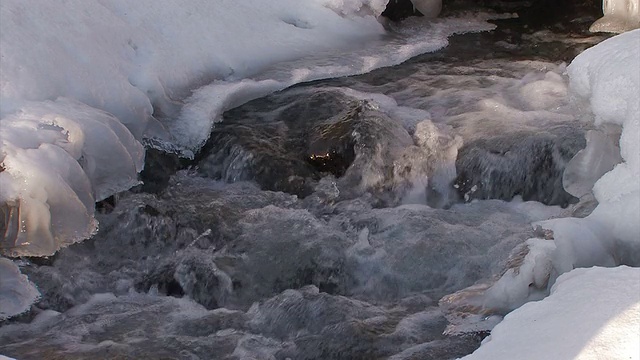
591,314
83,82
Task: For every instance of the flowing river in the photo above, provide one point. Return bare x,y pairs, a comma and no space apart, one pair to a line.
330,220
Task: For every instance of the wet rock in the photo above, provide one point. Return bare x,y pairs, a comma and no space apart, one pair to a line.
397,10
527,164
331,146
159,166
192,273
266,141
290,140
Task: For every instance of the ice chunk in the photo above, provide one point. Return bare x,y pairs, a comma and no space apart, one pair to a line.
526,280
17,293
58,158
588,165
619,16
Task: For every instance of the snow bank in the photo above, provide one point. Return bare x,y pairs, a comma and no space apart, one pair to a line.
591,314
602,303
606,79
608,76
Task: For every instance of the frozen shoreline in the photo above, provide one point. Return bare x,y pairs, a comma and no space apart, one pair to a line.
57,160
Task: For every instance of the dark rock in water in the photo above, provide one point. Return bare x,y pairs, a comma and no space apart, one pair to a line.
107,205
330,148
191,273
526,164
281,142
162,279
397,10
290,140
257,153
561,14
159,166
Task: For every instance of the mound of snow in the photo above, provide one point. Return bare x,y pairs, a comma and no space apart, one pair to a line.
591,314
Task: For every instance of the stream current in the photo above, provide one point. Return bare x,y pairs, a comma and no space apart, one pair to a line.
327,220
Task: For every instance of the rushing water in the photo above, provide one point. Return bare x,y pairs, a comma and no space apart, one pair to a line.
326,221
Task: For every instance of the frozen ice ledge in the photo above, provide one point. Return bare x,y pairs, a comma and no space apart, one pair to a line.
107,75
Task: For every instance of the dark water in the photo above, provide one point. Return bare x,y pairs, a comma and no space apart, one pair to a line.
325,221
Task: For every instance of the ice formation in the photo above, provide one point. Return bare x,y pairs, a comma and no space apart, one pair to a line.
619,16
17,293
58,158
115,57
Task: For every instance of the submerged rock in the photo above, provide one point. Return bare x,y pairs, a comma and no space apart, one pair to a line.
527,164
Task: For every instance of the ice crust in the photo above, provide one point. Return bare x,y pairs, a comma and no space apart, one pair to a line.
59,158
